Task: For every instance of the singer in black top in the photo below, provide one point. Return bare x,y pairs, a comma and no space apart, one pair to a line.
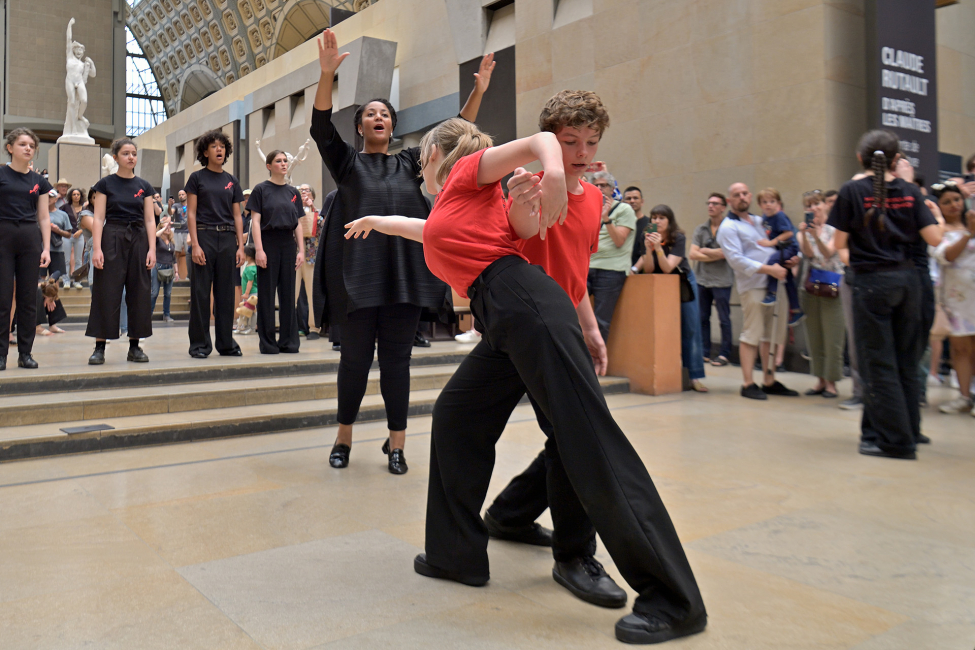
213,199
275,208
376,288
880,219
123,254
23,246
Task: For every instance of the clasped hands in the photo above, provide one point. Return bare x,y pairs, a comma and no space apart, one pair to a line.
528,189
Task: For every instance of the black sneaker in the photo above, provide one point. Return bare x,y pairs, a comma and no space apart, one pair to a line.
752,391
777,388
646,628
534,534
587,580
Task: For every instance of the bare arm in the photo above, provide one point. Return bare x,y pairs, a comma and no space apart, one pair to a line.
482,79
98,223
329,59
590,332
617,233
300,243
44,222
260,256
149,216
396,226
197,254
70,40
239,227
931,234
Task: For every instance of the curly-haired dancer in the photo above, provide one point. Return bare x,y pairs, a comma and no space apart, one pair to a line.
213,198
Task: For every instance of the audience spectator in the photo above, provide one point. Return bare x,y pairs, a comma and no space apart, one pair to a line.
825,328
956,255
781,237
633,197
75,246
62,196
165,272
157,206
60,230
248,281
610,264
666,254
714,280
311,227
739,237
49,307
181,239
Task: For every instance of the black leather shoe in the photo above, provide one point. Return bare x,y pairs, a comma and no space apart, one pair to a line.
336,347
313,336
419,341
97,358
26,361
232,353
870,449
777,388
923,439
534,534
752,391
646,628
420,566
397,460
137,355
339,457
587,580
3,363
198,355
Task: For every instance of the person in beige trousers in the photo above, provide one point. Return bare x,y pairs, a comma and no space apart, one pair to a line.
310,225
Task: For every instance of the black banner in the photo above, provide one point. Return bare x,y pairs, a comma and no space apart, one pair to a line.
902,78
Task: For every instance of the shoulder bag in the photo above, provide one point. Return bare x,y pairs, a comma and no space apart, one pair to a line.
825,284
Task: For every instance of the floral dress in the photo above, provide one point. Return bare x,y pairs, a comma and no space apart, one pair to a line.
958,285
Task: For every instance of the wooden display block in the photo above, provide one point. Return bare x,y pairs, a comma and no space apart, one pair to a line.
644,336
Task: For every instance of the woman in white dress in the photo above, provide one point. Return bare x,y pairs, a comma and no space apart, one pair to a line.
956,255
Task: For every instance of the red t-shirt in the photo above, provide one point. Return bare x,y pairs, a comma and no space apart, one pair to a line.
566,249
468,227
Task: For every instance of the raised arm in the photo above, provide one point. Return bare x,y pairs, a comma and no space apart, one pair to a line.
329,59
482,79
337,154
68,50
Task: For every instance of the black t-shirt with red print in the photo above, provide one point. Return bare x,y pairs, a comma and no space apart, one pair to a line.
125,198
876,248
19,194
215,196
280,206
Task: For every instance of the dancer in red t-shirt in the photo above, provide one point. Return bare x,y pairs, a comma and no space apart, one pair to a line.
533,340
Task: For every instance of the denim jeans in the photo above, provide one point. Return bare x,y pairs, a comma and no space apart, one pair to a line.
605,287
691,352
167,289
721,297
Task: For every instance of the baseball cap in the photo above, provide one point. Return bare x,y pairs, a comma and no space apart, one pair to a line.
247,192
53,194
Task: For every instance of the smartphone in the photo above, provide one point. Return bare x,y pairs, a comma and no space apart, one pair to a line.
649,229
809,218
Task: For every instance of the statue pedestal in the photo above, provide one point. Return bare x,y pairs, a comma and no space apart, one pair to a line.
79,164
644,335
76,139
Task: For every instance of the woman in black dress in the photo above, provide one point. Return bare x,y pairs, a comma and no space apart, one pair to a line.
123,253
275,208
881,219
375,289
23,246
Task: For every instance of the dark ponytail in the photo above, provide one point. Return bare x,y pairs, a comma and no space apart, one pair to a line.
878,150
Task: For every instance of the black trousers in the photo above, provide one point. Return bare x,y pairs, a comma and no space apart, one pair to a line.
394,326
125,248
887,311
57,264
279,277
545,482
605,288
217,274
531,324
20,257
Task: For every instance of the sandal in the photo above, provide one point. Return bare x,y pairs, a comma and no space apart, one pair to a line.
720,361
697,386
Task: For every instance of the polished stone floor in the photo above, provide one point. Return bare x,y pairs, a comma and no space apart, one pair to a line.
797,541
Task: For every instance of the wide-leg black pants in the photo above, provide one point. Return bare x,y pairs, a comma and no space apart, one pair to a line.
887,308
20,257
220,248
394,326
279,276
125,247
530,320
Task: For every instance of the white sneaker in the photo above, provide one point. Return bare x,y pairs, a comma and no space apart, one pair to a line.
470,336
934,380
76,285
958,405
954,380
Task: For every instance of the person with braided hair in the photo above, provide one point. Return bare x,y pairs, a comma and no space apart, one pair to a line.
880,219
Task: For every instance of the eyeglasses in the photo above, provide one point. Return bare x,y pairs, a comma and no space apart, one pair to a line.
715,203
602,185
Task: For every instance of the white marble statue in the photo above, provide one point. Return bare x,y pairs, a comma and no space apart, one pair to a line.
79,67
293,161
109,166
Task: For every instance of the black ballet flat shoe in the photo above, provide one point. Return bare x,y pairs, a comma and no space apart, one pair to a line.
419,341
26,361
587,580
137,355
420,566
533,534
232,353
3,363
198,355
645,629
97,358
921,438
339,457
397,461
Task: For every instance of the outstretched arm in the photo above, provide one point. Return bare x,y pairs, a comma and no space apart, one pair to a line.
67,48
482,79
329,59
395,226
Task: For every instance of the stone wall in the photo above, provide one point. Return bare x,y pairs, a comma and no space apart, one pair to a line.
956,78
